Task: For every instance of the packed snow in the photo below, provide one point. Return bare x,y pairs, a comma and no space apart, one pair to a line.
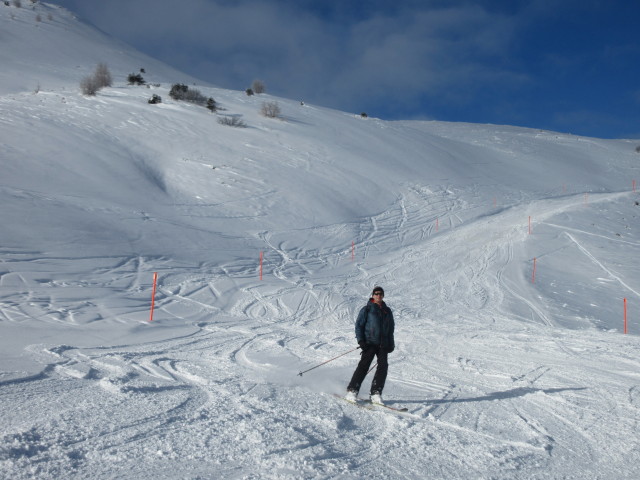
506,255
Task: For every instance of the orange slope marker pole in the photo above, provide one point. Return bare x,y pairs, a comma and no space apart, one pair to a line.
625,316
153,295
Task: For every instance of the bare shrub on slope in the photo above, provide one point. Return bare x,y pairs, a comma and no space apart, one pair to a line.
271,109
258,87
100,78
232,121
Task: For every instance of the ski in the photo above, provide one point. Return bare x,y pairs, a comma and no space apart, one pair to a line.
357,403
367,405
389,407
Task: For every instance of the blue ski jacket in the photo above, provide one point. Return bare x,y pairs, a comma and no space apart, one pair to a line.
375,325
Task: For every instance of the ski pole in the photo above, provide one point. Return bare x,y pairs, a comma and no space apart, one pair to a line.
330,360
372,369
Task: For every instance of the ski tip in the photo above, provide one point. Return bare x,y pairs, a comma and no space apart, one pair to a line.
388,407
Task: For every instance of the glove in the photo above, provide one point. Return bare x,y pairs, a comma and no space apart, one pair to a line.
363,344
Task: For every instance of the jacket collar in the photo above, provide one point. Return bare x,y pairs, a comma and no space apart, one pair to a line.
381,306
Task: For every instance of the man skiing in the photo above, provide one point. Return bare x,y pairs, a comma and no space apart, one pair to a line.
374,332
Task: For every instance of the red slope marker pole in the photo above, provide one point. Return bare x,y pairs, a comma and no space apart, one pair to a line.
153,295
529,224
634,185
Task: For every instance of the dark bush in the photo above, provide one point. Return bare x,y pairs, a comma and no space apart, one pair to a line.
249,92
212,105
178,91
135,79
182,92
155,99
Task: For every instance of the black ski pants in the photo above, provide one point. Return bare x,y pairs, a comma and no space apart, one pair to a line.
367,356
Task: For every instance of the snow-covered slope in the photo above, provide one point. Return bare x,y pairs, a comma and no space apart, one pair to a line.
505,375
46,47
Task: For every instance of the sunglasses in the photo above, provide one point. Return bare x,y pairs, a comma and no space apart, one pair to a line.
378,293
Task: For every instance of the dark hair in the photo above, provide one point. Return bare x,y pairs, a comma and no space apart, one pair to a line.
377,289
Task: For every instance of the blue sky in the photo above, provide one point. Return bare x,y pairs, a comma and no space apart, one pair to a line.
567,65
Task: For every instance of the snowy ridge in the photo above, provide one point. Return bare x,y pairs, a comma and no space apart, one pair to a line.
502,377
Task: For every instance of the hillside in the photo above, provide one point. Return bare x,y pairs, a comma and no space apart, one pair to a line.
505,375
